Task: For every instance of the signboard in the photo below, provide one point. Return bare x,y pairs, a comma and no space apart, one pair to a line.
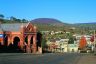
1,35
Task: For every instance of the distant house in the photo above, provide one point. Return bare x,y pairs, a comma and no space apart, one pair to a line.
63,45
72,47
58,45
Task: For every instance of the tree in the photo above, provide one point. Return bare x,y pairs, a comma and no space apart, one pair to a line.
1,16
71,40
43,44
18,20
24,20
12,18
82,43
92,39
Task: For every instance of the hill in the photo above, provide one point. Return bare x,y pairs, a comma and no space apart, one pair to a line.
49,21
88,26
50,24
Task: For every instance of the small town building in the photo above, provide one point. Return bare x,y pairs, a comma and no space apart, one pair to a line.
72,47
19,36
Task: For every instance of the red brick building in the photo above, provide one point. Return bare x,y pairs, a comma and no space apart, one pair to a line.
19,34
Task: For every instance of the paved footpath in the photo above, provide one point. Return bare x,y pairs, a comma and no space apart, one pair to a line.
47,58
87,59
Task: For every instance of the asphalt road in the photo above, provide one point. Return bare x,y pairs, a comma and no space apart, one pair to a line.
48,58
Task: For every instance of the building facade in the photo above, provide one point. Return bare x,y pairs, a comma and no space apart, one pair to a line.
19,35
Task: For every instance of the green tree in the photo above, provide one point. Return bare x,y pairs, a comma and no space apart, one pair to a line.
1,16
71,40
24,20
43,44
12,18
18,20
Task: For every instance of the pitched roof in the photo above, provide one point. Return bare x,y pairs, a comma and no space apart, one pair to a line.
12,26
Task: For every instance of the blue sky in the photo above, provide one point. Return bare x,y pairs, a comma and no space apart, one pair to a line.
68,11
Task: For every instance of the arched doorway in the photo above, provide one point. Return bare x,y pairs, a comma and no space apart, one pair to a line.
31,40
5,47
26,40
16,42
31,44
25,43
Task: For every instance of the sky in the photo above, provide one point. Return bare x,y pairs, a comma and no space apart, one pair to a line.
67,11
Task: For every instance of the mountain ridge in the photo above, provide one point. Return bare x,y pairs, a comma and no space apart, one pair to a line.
49,24
49,21
54,24
86,23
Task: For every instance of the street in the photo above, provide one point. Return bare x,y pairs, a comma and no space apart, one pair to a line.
47,58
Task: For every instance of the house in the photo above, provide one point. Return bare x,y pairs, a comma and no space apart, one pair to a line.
72,47
58,45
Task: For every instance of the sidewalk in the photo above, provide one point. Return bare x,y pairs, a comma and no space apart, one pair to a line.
90,59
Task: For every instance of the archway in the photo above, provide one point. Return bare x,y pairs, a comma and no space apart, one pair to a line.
25,43
31,40
26,39
5,47
31,44
16,42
